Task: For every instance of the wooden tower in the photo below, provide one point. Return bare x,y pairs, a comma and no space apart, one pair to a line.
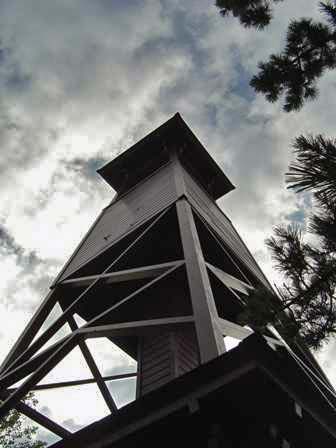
164,275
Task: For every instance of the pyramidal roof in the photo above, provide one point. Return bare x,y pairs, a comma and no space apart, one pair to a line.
154,150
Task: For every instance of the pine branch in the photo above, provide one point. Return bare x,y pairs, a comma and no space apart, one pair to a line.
315,166
329,10
310,50
251,13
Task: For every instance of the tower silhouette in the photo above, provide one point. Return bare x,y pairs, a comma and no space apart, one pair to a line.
163,274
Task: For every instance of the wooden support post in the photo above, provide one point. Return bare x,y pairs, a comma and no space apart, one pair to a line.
210,339
94,369
30,351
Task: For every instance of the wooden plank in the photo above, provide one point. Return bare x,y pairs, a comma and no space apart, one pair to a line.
133,328
230,281
210,340
35,377
238,332
139,367
233,330
178,175
61,320
94,369
18,373
131,296
38,418
123,276
44,421
74,383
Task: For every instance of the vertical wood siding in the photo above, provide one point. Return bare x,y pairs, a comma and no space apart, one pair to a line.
156,362
186,351
166,356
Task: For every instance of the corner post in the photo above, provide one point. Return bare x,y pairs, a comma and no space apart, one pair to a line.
210,340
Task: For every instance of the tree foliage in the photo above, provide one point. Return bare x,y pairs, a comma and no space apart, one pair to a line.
15,433
253,13
309,51
315,166
307,305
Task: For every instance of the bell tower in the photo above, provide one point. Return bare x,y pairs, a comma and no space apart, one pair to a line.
162,273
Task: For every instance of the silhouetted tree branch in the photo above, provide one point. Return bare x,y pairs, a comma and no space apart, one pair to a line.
306,302
310,50
251,13
16,433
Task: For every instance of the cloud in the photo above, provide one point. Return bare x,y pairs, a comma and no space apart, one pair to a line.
81,81
27,276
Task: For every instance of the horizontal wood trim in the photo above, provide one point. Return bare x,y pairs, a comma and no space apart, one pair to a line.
123,276
63,384
130,328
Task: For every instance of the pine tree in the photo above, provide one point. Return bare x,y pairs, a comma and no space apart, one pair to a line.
251,13
315,166
307,305
310,50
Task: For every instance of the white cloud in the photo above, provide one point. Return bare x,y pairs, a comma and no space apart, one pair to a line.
81,81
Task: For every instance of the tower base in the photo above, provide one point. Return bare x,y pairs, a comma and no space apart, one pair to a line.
252,396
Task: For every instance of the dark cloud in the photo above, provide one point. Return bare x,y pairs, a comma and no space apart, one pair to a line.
82,81
32,274
8,246
71,425
86,168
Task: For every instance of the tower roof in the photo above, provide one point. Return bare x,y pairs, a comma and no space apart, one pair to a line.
154,150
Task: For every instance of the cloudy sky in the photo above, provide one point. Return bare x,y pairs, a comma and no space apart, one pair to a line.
82,80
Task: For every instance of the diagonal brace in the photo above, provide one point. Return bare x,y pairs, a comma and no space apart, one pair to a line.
94,369
72,308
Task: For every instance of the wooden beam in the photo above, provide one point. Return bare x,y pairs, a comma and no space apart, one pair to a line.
61,320
207,224
134,328
236,331
210,340
18,373
74,383
230,281
42,420
131,296
36,376
123,276
94,369
39,418
31,330
233,330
